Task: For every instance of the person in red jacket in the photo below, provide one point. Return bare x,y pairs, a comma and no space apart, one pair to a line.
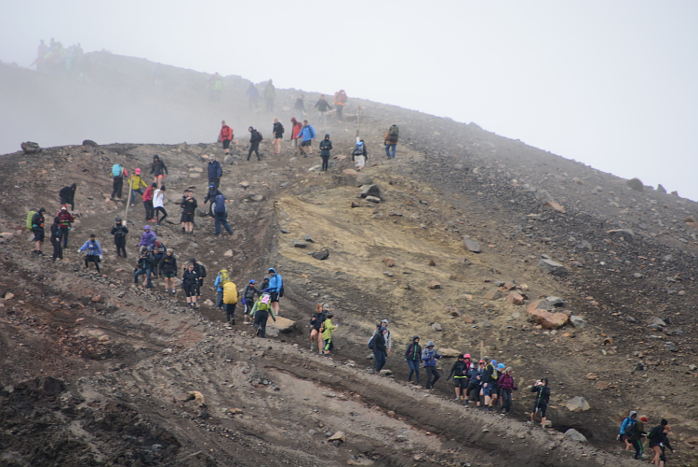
148,202
66,220
295,131
225,137
506,383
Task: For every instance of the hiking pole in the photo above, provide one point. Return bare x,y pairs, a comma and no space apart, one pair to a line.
128,200
358,120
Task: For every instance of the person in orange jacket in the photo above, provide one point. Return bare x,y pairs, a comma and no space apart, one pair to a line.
340,98
225,137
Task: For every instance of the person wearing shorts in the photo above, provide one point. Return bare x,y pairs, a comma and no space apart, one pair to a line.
190,284
459,372
276,285
158,171
542,398
189,206
306,135
168,268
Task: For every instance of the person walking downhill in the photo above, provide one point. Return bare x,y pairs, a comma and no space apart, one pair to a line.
638,436
158,171
144,265
459,372
542,398
168,269
507,385
225,137
200,270
278,131
248,300
65,224
94,252
190,284
340,99
220,212
147,237
118,173
56,240
67,195
136,184
390,141
255,139
328,328
296,128
148,202
322,107
230,300
429,357
159,205
413,357
325,148
222,278
276,290
315,327
359,155
307,135
119,232
380,352
215,172
189,206
37,224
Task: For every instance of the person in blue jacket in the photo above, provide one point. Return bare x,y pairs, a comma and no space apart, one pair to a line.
94,252
215,172
276,289
627,428
307,135
429,357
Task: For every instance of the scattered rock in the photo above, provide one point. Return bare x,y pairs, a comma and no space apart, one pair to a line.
308,238
554,206
30,147
321,255
208,302
546,319
555,301
575,435
372,190
471,245
386,373
591,376
9,296
552,267
661,189
577,404
671,347
284,325
389,262
436,326
626,234
354,178
90,143
96,299
373,199
448,352
434,285
228,253
493,294
300,244
256,198
515,298
578,322
635,184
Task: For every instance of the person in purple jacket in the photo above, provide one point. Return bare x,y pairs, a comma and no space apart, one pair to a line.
148,237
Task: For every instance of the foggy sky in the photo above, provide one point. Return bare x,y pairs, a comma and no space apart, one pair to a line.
611,84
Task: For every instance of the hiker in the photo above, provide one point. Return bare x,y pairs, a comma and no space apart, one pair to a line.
489,380
359,155
252,96
496,390
627,429
137,185
201,275
316,322
276,289
659,441
507,385
265,282
380,352
220,211
307,136
189,206
255,139
65,224
474,384
459,372
215,172
270,95
147,238
67,195
388,336
144,265
278,131
148,202
211,198
94,252
325,148
215,87
158,170
636,438
299,106
117,172
328,328
260,312
159,205
248,294
37,227
119,232
56,240
296,128
230,299
322,107
221,279
168,270
190,284
429,357
225,137
390,140
542,399
340,98
158,249
413,357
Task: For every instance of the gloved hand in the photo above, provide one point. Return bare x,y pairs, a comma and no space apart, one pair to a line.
265,290
100,257
78,250
244,301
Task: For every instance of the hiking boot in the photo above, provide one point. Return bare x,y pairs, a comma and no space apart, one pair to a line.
174,291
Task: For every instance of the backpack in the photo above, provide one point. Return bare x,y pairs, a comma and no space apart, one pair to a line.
225,278
264,303
230,293
630,428
30,219
219,207
202,270
259,136
371,344
494,376
358,149
117,170
654,432
393,133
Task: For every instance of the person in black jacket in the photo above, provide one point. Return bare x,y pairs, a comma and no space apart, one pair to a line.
158,171
210,198
168,270
325,148
542,399
255,139
248,299
201,274
190,284
144,266
67,195
315,324
459,372
278,130
413,357
188,206
38,231
215,171
119,232
56,239
380,352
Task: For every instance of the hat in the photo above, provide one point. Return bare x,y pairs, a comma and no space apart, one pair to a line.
145,248
644,419
118,219
430,344
92,235
63,208
212,185
272,270
138,171
481,361
501,366
664,422
385,321
42,210
382,329
192,260
467,356
147,227
460,356
251,281
415,337
493,362
544,379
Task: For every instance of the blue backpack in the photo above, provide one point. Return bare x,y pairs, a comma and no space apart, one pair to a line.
219,206
117,170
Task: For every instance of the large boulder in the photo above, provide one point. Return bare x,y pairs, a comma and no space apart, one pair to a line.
30,147
552,267
575,435
546,319
372,190
471,245
635,184
283,325
354,178
578,404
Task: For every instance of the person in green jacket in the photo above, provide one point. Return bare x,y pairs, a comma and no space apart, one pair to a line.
328,328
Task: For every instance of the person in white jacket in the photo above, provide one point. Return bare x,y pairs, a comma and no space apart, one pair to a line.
159,205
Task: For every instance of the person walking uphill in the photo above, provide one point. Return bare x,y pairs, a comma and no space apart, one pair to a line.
190,284
278,131
390,140
307,136
225,137
136,185
260,312
65,224
119,232
627,429
413,357
325,148
215,172
359,155
159,205
296,128
340,99
248,300
276,289
230,299
429,357
168,269
94,252
56,240
322,107
37,224
542,399
459,372
67,195
380,352
158,171
144,265
328,328
636,438
147,238
148,202
220,213
507,385
117,172
255,139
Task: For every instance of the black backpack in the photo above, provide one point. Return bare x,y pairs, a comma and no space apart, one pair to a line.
630,428
358,149
654,432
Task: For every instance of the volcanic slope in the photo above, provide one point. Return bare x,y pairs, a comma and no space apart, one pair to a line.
99,373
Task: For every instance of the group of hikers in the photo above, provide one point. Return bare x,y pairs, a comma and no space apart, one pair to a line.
55,58
632,433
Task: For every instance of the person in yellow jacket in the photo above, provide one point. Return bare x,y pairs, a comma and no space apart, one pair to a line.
230,299
328,328
137,185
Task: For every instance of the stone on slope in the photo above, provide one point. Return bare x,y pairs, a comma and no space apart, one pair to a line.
577,404
281,324
493,294
300,244
448,352
627,234
471,245
515,298
354,178
434,285
389,262
545,318
321,255
552,267
578,322
635,184
554,206
575,435
373,199
30,147
372,190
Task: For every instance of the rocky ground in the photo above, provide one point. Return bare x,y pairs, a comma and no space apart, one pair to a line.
96,372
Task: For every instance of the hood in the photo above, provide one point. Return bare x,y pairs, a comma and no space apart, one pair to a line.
327,136
632,412
74,186
430,344
272,270
414,338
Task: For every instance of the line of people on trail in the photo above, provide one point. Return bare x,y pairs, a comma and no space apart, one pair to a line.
632,433
55,58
